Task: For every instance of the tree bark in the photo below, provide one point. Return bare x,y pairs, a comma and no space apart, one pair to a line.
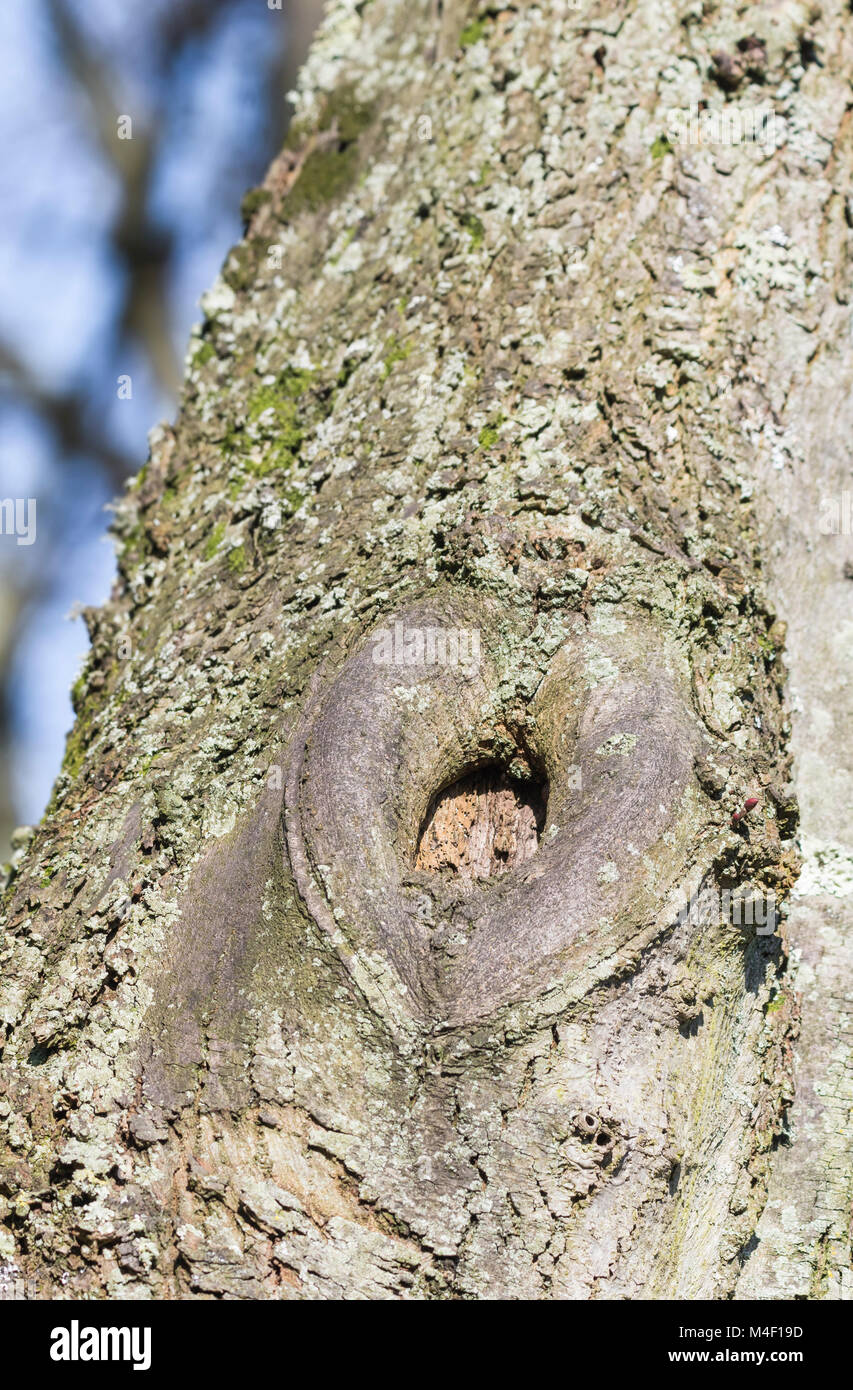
359,952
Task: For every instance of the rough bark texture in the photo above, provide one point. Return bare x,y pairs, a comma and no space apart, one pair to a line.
526,369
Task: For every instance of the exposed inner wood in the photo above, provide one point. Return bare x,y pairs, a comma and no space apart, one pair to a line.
482,825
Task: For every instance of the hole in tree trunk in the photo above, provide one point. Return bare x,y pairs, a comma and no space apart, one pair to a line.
483,825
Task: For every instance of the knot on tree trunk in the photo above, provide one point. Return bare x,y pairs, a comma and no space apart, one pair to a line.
482,831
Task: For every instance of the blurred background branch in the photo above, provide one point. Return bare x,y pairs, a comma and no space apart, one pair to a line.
131,133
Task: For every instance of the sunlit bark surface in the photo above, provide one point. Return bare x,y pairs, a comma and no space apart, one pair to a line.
290,1007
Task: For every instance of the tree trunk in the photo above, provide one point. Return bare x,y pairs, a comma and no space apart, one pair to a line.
385,934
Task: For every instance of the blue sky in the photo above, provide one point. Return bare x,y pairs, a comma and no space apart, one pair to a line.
63,291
